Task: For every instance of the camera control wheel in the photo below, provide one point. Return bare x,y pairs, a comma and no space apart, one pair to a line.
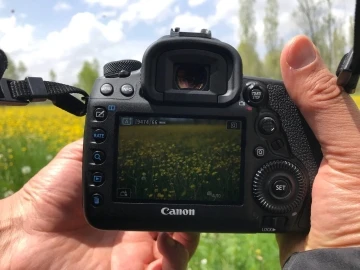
121,69
279,187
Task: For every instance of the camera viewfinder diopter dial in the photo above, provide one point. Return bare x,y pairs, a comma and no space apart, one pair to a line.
279,187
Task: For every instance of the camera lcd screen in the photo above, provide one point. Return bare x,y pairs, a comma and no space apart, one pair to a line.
179,160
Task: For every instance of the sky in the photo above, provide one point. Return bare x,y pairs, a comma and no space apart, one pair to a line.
61,35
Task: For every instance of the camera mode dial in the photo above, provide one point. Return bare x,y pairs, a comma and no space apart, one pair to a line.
121,69
279,187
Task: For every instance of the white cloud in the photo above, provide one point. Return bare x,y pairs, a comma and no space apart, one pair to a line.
146,10
108,3
62,6
193,3
88,36
64,50
14,37
107,14
189,22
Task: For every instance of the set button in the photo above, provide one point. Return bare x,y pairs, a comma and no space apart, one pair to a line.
98,157
280,188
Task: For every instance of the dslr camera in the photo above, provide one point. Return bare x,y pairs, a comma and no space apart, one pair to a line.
182,141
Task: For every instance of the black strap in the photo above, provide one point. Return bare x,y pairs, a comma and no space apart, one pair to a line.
348,71
32,89
3,63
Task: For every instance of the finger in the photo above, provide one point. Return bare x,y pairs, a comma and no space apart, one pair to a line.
66,165
175,255
73,151
189,240
55,192
330,112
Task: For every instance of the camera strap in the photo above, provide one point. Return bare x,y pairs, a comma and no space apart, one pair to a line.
34,89
348,71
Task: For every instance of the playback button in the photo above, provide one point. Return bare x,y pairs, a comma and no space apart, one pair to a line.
97,178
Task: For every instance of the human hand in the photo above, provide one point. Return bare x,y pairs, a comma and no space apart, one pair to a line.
42,226
335,120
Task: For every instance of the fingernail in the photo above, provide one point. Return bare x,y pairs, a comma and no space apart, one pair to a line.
301,53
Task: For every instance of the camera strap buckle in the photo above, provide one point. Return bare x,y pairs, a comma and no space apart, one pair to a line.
20,93
34,89
348,71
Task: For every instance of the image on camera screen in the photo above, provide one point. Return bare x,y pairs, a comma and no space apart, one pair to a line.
179,160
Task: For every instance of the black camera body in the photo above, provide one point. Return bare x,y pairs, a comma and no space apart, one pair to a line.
184,142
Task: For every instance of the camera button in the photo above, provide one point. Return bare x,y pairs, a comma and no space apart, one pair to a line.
267,126
124,74
99,135
127,90
280,189
100,114
260,152
98,157
256,95
97,199
277,144
107,89
97,178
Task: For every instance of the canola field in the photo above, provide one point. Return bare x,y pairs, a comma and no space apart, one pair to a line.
180,162
31,136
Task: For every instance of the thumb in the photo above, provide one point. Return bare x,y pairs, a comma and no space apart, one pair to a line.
55,191
330,112
175,255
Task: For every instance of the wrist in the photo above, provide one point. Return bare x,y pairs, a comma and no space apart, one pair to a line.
10,228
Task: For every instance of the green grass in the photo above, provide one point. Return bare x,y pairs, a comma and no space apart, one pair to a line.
236,251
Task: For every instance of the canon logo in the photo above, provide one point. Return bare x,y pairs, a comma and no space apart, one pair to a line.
177,212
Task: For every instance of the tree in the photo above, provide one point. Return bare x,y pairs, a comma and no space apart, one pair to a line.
273,45
307,16
351,31
52,75
247,48
87,75
15,72
316,19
